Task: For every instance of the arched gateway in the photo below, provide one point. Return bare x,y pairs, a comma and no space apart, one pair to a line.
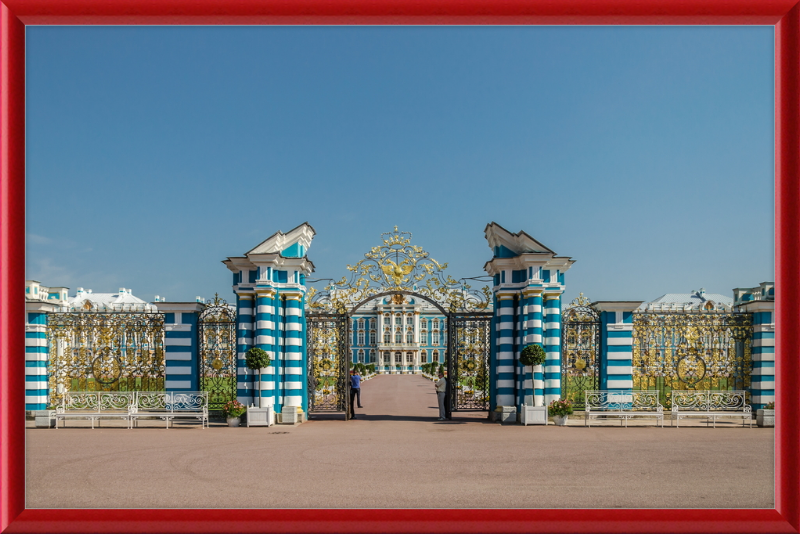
398,310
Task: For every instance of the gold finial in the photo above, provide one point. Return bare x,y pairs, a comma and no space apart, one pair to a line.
395,228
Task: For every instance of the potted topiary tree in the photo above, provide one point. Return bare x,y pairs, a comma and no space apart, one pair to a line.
531,356
257,359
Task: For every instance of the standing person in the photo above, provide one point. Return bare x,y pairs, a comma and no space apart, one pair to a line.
441,391
355,390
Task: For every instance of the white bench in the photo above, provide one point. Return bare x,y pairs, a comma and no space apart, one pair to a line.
93,405
710,404
170,405
623,404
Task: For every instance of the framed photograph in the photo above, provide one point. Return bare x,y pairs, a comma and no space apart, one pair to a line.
15,15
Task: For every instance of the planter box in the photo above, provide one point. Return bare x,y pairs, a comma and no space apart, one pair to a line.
44,418
765,418
506,415
260,416
534,415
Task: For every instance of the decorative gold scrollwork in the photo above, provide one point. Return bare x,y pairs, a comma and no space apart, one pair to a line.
580,339
217,336
397,265
94,351
691,351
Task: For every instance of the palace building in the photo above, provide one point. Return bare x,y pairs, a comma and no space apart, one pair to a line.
398,334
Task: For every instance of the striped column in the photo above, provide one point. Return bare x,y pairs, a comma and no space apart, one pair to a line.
526,335
244,342
293,365
36,361
762,379
616,370
504,313
180,351
552,346
534,331
266,337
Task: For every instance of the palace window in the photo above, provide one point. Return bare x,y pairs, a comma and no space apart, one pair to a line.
423,324
435,338
398,319
423,357
398,358
361,337
434,324
372,337
398,335
372,356
409,335
361,324
409,358
361,356
387,335
436,356
423,337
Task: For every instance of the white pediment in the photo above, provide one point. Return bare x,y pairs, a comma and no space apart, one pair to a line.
519,243
278,242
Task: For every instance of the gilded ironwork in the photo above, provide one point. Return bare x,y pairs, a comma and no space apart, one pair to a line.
469,349
327,345
397,265
216,332
580,349
691,351
101,351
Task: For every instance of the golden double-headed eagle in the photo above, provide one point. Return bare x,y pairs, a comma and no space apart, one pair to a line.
396,271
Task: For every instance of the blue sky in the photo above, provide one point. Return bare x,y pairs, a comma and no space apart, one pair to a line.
644,153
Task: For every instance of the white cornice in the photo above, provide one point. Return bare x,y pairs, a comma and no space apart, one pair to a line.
758,306
170,307
40,306
617,305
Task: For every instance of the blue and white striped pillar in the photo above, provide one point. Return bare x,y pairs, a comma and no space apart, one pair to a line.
244,342
267,337
552,346
181,352
762,351
294,390
36,357
532,326
616,344
504,344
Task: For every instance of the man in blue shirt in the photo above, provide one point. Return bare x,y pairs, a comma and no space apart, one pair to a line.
355,390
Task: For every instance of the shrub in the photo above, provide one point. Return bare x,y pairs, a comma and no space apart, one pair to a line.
770,406
233,408
533,354
560,407
257,358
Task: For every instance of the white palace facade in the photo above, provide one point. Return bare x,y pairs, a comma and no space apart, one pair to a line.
398,334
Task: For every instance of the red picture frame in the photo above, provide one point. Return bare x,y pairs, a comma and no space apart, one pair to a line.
784,15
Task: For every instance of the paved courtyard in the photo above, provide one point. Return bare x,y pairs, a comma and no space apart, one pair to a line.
397,455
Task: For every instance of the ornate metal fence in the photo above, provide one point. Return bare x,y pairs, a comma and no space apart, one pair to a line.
469,345
328,349
216,334
91,351
580,349
691,351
